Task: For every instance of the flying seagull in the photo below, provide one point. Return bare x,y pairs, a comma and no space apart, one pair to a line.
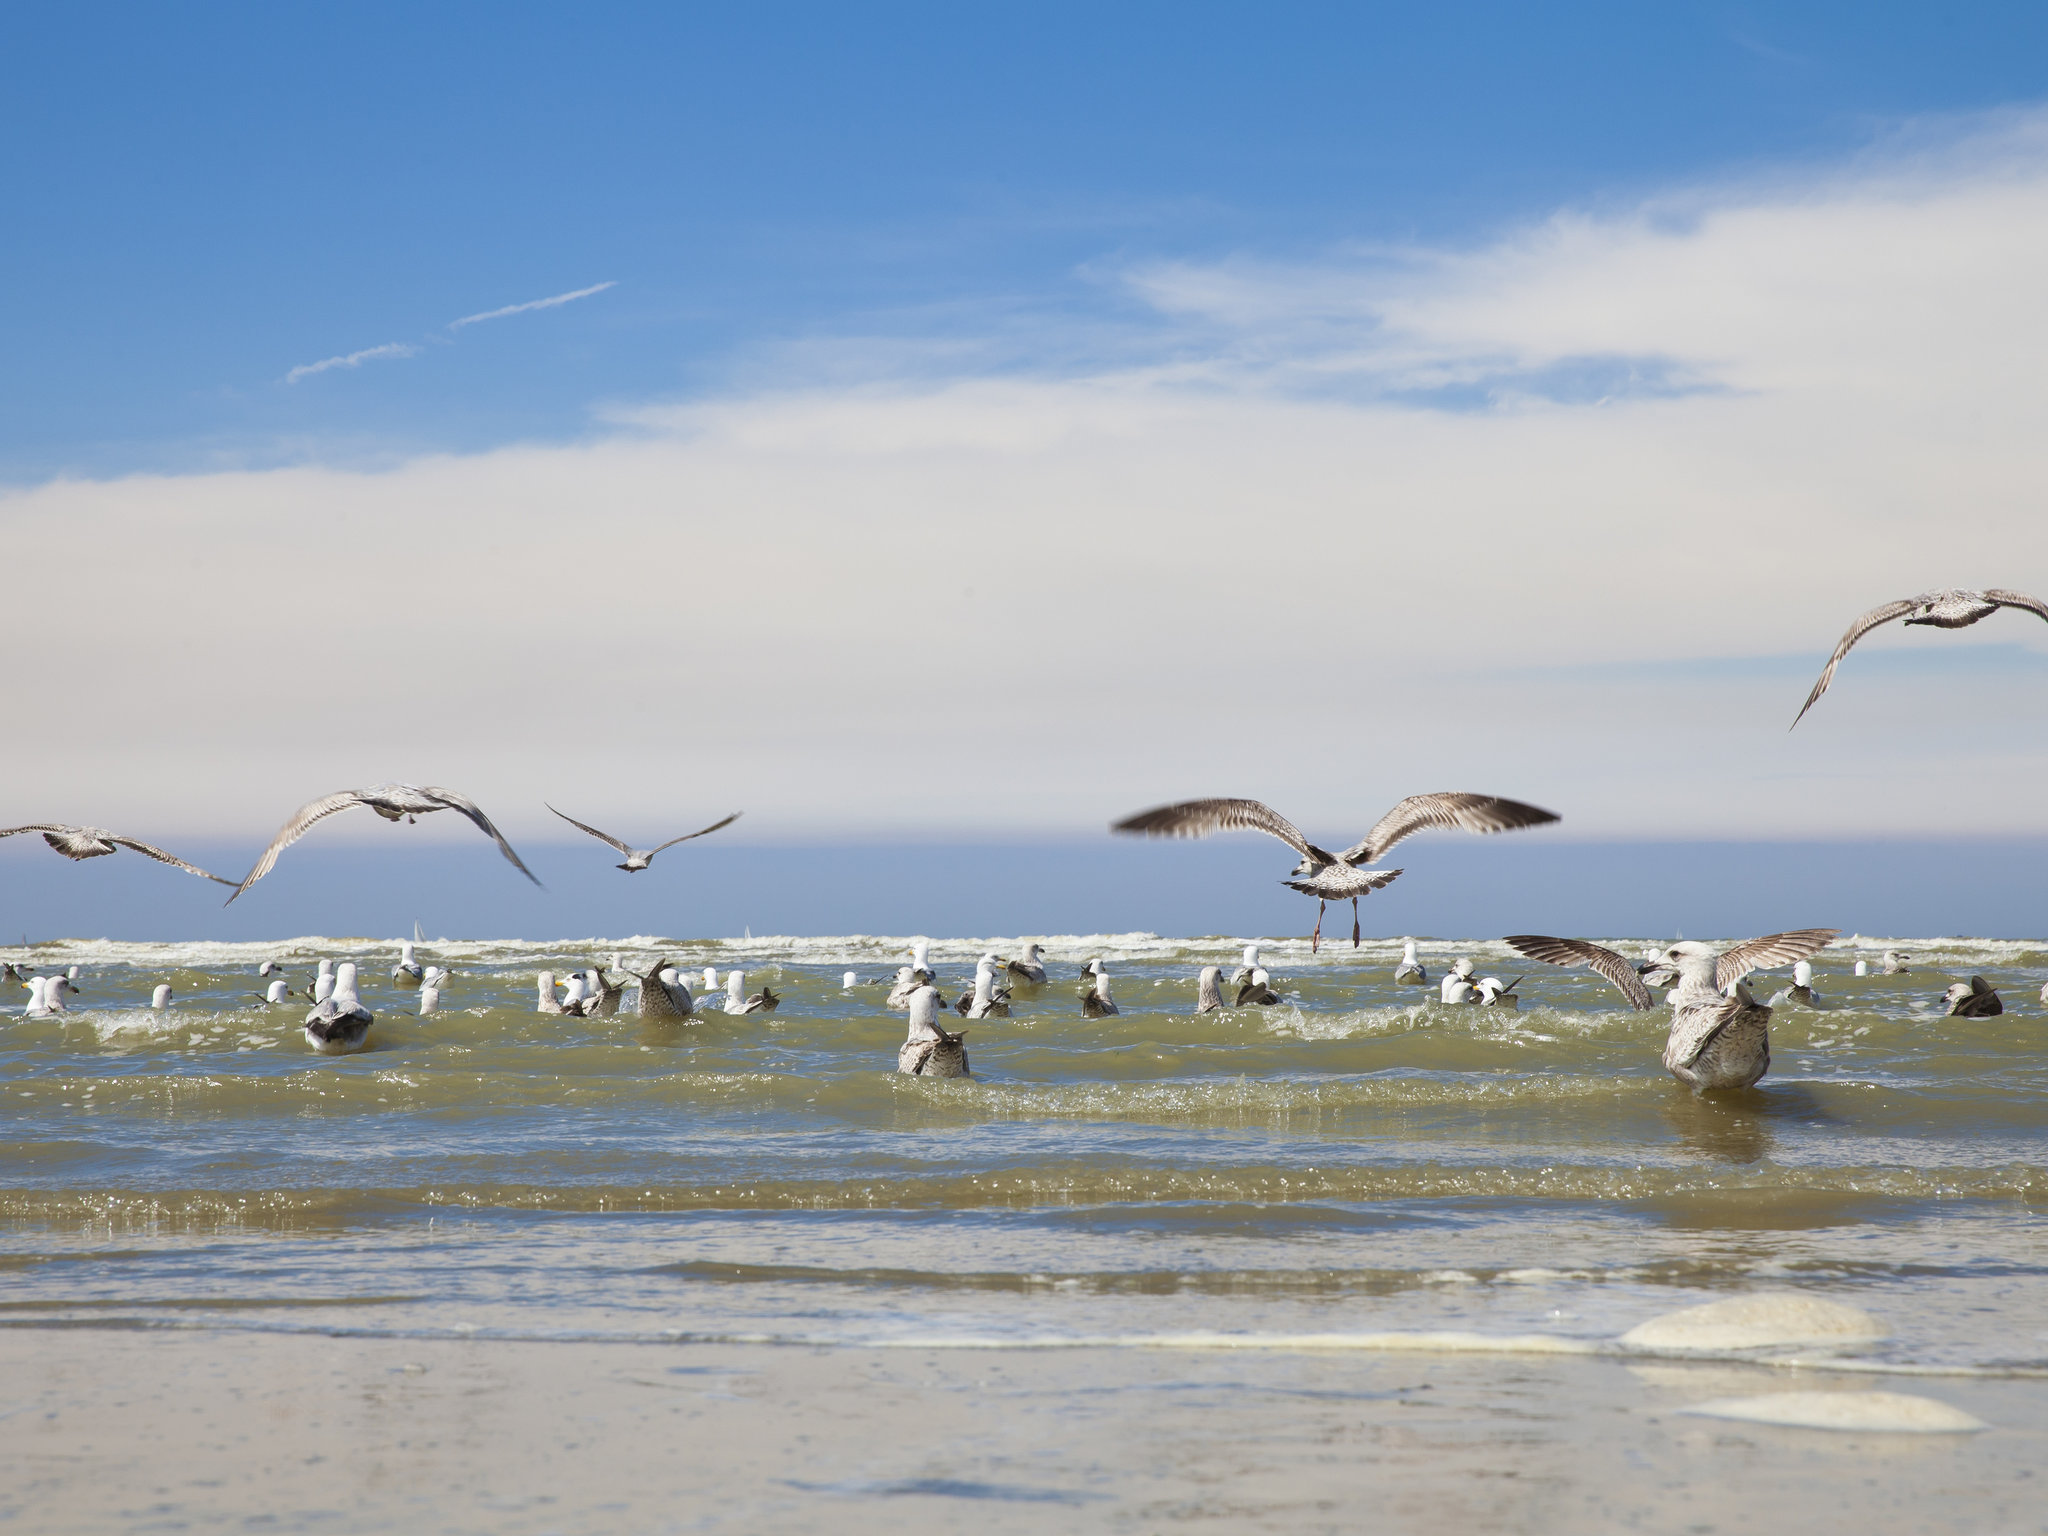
1720,1034
394,802
638,859
96,842
1953,609
1336,876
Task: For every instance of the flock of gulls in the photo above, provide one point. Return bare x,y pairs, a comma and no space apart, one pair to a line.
1718,1039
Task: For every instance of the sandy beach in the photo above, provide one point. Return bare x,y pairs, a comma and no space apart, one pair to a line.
131,1430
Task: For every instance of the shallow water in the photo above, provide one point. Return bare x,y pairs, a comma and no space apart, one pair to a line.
1358,1161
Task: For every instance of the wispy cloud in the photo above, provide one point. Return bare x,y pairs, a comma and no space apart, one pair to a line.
352,359
520,309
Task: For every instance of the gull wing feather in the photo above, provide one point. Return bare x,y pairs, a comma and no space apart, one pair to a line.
1198,818
1883,613
1693,1030
1772,949
735,816
36,826
1445,808
2006,599
1551,951
602,837
469,808
295,829
167,858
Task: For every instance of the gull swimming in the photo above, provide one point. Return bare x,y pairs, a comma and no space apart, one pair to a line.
1493,995
1801,991
1410,968
430,989
1974,999
160,997
663,992
1257,991
544,988
1032,967
1952,609
46,996
279,991
1720,1034
908,980
986,1001
638,859
1337,876
1895,963
77,843
763,1001
1246,966
340,1024
407,972
394,802
1459,975
1209,989
1096,1003
929,1051
323,982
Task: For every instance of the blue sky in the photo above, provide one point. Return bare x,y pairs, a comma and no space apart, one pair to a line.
203,198
944,425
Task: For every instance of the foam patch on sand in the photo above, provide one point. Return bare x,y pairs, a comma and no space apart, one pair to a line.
1895,1413
1770,1319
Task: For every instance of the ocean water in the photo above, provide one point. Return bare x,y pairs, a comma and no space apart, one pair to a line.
1359,1165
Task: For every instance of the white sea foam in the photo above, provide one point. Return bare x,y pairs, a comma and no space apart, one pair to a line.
1896,1413
1771,1319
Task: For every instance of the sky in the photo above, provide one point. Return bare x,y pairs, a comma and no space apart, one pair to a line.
936,423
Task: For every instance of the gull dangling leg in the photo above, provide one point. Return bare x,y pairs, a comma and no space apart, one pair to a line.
1354,922
1315,941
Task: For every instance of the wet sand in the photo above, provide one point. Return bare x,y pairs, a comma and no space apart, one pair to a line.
119,1429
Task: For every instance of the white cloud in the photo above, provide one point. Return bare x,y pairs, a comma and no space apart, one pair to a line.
1275,567
352,359
531,304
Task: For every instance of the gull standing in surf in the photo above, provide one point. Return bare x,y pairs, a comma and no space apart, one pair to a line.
1338,876
1096,1003
1032,967
1953,609
341,1024
1720,1034
1209,989
638,859
929,1051
77,843
1410,968
393,802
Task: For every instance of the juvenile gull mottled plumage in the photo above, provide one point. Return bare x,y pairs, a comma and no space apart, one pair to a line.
1338,876
77,843
930,1051
394,802
1952,609
1720,1034
638,859
1973,999
1209,989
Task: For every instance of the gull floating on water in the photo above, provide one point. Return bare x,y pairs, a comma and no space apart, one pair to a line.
638,859
1974,999
663,992
394,802
160,996
1209,989
279,991
1337,876
1257,991
407,972
1720,1034
986,1001
929,1051
340,1024
1895,963
544,989
1492,994
1410,968
323,982
1953,609
763,1001
1459,975
77,843
46,996
1096,1003
1246,966
1032,967
430,989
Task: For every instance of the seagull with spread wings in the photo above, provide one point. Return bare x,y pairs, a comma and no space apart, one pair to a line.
96,842
1720,1034
638,859
1337,876
1953,609
394,802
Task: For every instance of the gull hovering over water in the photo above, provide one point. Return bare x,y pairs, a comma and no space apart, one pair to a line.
1337,876
394,802
1952,609
77,843
1720,1034
638,859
